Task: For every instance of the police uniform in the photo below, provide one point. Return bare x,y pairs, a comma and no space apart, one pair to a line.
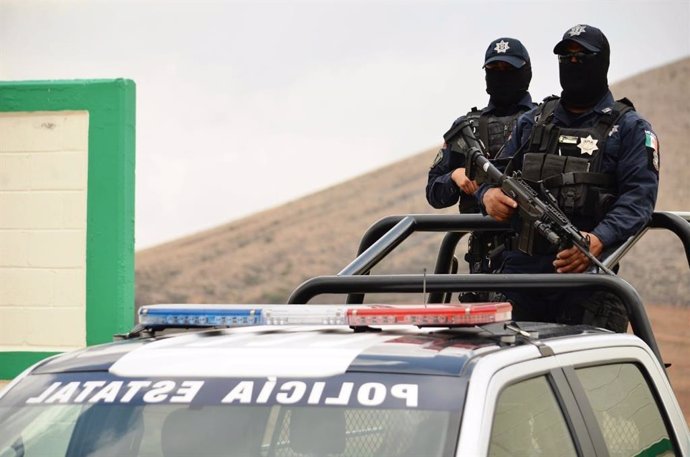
602,165
509,98
493,130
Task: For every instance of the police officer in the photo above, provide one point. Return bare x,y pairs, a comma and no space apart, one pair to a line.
508,74
600,159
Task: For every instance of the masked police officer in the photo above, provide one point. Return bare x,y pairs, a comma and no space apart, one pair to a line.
600,159
508,74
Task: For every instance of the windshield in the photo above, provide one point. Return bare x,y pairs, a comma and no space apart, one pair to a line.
50,416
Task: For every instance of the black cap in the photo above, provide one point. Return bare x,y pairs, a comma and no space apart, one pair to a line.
590,38
507,50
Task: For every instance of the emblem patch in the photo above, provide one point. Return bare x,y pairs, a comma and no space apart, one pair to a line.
650,140
652,144
438,157
501,47
655,160
577,30
588,145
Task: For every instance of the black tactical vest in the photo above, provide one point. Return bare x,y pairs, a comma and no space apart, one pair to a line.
567,162
493,130
483,252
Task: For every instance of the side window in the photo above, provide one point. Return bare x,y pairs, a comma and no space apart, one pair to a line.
626,410
529,421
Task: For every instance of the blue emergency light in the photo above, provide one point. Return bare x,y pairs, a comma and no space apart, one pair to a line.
199,315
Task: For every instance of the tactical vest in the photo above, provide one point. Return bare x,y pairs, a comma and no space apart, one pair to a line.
493,130
483,253
568,162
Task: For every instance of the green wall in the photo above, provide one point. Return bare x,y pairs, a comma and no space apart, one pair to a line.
110,198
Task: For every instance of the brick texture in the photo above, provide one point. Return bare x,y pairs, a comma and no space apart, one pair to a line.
43,186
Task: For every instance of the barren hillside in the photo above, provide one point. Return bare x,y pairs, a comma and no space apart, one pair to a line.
262,258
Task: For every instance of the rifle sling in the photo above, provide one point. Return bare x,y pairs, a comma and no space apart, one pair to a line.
483,130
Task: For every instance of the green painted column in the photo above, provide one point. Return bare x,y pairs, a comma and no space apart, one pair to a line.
109,285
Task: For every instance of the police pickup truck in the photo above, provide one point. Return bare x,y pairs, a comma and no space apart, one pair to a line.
434,379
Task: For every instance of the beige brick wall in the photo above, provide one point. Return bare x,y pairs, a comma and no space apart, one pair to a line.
43,186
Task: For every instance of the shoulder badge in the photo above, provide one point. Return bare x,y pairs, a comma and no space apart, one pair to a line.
439,156
652,144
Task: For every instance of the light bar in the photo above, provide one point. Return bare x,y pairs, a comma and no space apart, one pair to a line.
432,315
463,314
199,315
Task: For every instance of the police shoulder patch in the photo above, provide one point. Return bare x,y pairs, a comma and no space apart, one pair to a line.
652,144
439,157
650,140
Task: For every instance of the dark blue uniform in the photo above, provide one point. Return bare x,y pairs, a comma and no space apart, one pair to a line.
630,155
441,190
626,155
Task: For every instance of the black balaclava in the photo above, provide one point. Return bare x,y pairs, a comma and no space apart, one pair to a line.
507,87
585,83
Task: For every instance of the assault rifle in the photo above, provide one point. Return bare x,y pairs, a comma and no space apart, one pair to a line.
538,211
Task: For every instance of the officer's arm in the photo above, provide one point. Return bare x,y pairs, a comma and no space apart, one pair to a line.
637,178
441,191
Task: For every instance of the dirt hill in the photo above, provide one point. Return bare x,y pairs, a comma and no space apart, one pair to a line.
262,258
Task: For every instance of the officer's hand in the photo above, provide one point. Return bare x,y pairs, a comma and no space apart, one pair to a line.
458,176
573,260
498,205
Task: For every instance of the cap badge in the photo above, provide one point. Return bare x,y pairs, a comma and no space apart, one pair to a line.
501,47
577,30
588,145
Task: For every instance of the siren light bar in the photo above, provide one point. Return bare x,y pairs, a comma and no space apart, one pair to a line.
204,316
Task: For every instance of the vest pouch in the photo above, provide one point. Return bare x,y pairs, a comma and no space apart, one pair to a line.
572,197
537,167
495,130
532,164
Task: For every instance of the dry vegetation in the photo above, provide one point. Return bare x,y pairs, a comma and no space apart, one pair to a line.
262,258
670,327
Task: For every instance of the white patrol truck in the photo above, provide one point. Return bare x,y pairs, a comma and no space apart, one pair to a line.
347,380
429,380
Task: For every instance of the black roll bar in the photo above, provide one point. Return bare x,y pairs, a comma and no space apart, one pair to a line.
676,222
483,282
431,223
387,233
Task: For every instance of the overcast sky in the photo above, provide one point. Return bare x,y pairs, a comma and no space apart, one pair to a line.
245,105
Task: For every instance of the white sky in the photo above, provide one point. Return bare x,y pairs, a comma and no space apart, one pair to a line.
245,105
